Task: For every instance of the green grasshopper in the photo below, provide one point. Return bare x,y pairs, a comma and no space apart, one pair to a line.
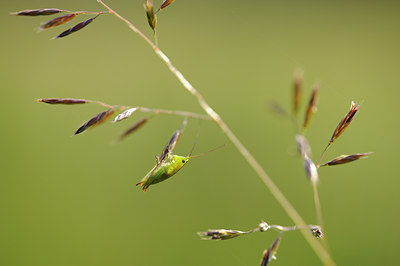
167,164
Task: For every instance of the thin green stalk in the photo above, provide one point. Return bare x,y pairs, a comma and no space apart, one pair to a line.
282,200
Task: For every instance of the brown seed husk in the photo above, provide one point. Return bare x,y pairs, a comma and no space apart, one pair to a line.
62,101
311,107
345,122
220,234
57,21
169,148
96,120
151,16
75,28
134,127
38,12
342,159
165,4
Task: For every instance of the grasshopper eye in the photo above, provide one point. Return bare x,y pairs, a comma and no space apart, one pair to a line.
183,161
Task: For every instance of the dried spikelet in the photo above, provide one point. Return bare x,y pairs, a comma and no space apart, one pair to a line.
165,4
75,28
316,231
57,21
346,158
125,114
62,101
134,127
151,16
302,145
38,12
96,120
345,122
298,80
220,234
172,142
269,254
312,106
310,168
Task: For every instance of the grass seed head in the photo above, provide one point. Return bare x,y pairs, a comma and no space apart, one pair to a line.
311,107
310,168
75,28
57,21
269,254
298,81
342,159
62,101
220,234
38,12
302,145
316,231
96,120
151,16
345,122
125,114
165,4
134,127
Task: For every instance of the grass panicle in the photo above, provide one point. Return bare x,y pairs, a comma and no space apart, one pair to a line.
57,21
38,12
96,120
342,159
62,101
76,28
311,107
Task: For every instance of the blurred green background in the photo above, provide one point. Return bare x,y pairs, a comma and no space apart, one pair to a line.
72,200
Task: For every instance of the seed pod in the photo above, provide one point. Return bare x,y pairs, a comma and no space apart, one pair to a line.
151,16
57,21
38,12
96,120
75,28
346,158
312,106
62,101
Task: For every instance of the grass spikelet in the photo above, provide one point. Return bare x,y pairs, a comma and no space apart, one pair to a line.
316,231
342,159
298,80
345,122
75,28
172,141
62,101
311,107
165,4
96,120
134,127
151,16
38,12
269,254
220,234
302,145
124,115
277,109
311,169
57,21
